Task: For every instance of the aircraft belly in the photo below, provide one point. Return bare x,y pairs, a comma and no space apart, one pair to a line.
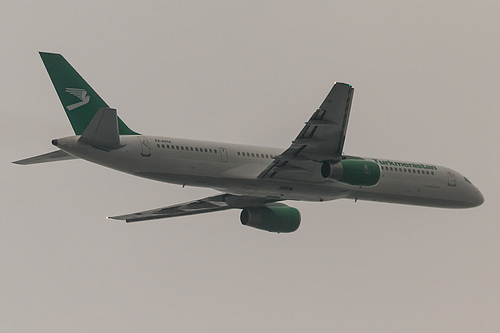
285,190
253,187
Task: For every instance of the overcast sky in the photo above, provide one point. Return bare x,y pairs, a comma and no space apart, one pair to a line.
427,80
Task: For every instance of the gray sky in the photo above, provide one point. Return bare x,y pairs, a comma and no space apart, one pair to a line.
426,76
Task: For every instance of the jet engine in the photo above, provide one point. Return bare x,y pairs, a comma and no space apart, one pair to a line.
356,172
274,218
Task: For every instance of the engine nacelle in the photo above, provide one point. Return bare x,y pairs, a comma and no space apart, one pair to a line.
274,218
356,172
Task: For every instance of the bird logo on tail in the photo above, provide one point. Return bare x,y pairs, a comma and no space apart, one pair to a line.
81,94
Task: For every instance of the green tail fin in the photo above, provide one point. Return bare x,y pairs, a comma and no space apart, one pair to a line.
78,98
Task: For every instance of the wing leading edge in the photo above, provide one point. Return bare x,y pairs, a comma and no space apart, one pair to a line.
321,139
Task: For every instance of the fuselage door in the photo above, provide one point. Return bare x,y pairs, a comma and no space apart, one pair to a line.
145,149
451,178
223,155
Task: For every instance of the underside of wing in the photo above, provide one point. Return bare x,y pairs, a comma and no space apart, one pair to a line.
321,139
205,205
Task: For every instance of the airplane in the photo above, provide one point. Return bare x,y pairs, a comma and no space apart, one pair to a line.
254,179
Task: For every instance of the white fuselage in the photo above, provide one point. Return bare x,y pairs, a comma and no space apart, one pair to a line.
234,168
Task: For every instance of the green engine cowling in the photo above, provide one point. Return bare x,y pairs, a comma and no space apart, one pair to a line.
274,218
356,172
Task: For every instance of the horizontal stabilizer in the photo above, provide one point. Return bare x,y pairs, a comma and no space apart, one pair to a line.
102,131
54,156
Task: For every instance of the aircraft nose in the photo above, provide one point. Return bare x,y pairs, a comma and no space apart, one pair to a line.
474,198
478,198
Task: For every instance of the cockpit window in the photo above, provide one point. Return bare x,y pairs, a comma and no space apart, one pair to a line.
468,181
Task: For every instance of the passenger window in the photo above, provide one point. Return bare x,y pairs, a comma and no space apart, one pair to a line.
168,146
206,150
414,171
177,147
267,156
239,154
163,146
215,151
210,150
253,155
196,149
432,173
391,168
158,145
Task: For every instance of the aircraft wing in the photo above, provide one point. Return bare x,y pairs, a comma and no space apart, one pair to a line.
321,139
205,205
